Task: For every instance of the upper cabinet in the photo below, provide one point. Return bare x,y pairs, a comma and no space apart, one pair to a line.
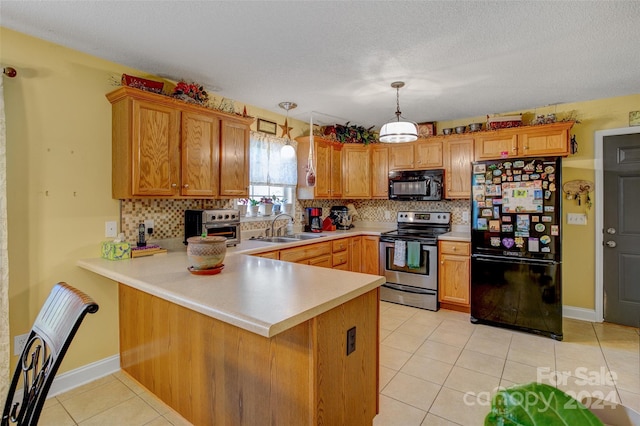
234,159
356,171
379,171
458,156
529,141
418,155
328,168
165,148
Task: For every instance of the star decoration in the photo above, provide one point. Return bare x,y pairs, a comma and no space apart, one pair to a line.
285,129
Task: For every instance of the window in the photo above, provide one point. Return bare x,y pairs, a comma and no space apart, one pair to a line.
270,173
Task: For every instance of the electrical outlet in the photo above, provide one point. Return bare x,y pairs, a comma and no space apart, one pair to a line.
387,215
111,229
351,340
148,224
19,342
465,216
576,219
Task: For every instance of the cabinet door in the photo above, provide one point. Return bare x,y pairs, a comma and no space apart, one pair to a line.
323,169
336,172
454,279
370,254
356,171
458,154
355,254
550,140
323,261
379,171
401,156
496,145
200,155
428,154
155,149
234,159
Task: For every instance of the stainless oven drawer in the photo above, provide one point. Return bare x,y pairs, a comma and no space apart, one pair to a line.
410,296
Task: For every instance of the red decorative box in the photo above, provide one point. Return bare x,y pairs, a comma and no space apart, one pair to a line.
504,122
142,83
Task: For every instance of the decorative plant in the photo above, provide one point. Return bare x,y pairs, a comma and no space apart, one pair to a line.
254,202
351,134
243,201
192,90
266,200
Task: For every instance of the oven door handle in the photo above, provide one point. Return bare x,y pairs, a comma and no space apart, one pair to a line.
423,247
409,289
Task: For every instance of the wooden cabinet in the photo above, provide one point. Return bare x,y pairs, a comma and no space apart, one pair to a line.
458,156
234,159
269,255
370,255
166,148
422,154
529,141
379,171
454,275
356,171
340,251
355,254
304,253
328,166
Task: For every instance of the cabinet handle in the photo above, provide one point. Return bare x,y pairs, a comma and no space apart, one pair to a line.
174,185
419,161
454,248
442,262
186,185
526,148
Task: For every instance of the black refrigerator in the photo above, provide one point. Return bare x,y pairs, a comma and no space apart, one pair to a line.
516,255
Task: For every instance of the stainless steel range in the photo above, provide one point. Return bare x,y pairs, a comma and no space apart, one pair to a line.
409,259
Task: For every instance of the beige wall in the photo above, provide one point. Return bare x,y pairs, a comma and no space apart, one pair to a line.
578,242
59,182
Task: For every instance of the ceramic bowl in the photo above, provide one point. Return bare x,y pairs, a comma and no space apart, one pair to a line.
447,131
461,129
475,127
206,252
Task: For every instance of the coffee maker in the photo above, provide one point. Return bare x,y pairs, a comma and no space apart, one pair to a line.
340,217
313,219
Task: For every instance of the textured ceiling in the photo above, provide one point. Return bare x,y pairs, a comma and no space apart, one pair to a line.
458,59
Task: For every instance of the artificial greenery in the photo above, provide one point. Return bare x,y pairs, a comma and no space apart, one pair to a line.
351,133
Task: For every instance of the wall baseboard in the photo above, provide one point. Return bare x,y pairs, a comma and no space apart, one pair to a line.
87,373
579,313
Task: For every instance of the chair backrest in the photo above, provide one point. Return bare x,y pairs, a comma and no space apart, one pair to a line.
48,341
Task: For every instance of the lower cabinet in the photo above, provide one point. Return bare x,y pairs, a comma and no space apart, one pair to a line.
454,275
356,254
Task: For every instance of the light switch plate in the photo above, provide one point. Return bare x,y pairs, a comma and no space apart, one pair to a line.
111,229
576,219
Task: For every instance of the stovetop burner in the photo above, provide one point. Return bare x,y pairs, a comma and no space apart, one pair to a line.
419,226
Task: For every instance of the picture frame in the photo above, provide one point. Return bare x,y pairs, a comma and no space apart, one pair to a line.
266,126
634,118
426,129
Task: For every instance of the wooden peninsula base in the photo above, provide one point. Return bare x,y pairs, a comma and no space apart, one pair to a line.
214,373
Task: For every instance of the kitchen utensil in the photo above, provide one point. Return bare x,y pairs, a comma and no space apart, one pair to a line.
475,127
206,252
447,131
461,129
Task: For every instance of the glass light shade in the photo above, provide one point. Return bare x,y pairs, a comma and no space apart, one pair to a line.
287,152
399,131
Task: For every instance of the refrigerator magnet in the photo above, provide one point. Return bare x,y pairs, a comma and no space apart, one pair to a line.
555,230
508,242
507,164
545,185
488,175
480,179
522,222
481,224
517,178
496,201
535,218
545,239
507,227
519,242
481,204
537,194
495,241
548,209
506,218
545,249
530,166
533,245
497,180
487,213
518,164
497,172
547,195
534,176
548,170
552,187
539,168
540,227
552,177
494,226
496,212
547,218
479,168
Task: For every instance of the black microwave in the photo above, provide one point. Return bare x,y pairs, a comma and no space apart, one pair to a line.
416,185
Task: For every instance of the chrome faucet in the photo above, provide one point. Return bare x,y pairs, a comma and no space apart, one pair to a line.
276,218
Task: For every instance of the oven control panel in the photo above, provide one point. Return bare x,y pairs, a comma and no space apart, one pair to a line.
435,218
220,215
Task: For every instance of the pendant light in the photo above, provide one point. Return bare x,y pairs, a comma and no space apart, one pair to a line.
399,130
287,151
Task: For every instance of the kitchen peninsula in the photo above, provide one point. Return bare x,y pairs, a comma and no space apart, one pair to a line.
264,341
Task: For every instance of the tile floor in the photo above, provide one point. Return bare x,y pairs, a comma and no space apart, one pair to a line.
436,368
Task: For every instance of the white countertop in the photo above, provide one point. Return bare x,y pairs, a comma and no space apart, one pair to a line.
260,295
458,233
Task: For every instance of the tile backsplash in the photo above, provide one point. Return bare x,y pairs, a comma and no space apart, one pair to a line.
168,215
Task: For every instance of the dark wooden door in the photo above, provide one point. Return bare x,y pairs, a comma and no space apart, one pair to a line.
622,229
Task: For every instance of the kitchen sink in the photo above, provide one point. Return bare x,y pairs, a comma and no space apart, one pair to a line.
289,238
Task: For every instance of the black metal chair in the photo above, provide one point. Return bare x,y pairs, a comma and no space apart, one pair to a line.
48,341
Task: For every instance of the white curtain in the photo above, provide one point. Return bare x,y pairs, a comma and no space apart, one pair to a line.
267,166
4,262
